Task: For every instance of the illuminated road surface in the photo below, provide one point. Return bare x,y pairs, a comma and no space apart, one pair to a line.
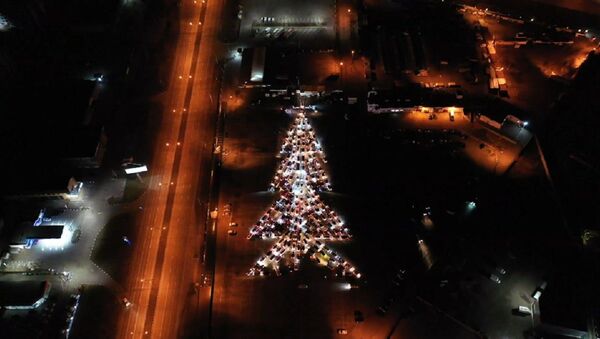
165,258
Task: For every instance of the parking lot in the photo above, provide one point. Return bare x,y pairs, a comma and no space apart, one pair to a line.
383,230
288,22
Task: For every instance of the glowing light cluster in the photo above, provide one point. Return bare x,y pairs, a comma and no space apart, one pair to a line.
299,219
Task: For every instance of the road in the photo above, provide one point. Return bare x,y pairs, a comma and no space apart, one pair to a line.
166,259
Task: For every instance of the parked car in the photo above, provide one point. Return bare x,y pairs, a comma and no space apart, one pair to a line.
494,278
126,303
523,310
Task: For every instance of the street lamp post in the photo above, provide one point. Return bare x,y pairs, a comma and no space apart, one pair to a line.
532,315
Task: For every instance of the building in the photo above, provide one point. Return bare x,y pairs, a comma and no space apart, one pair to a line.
27,236
57,131
407,99
85,148
44,186
23,295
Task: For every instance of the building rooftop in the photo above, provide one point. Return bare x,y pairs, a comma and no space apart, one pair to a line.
30,232
23,294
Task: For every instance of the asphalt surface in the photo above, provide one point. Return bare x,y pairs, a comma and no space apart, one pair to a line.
166,258
309,303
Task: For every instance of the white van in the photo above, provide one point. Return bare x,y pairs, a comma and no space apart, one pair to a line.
524,310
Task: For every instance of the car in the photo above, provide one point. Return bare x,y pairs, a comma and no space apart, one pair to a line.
523,310
303,286
494,278
126,303
232,232
358,317
342,331
233,224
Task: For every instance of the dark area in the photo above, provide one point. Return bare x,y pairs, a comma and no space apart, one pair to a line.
113,253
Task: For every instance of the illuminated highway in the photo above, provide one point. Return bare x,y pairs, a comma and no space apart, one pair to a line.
165,260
